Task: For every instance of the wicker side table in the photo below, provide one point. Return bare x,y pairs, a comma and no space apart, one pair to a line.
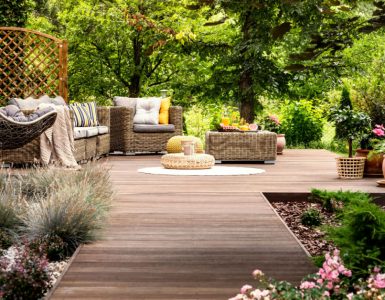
187,162
242,146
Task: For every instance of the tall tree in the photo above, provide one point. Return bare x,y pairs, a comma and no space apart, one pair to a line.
314,29
14,12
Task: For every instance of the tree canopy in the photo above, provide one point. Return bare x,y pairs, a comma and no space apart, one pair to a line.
207,50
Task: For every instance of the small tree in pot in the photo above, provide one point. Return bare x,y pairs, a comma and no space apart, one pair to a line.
350,125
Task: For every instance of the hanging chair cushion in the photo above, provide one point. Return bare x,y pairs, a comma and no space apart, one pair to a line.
31,103
14,113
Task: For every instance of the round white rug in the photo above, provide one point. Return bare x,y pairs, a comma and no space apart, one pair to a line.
214,171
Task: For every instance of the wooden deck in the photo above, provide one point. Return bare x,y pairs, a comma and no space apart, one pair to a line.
174,237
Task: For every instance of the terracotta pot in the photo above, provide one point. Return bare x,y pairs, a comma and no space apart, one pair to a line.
281,142
373,163
383,168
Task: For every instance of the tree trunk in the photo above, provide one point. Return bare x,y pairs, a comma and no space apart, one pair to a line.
135,80
247,97
350,148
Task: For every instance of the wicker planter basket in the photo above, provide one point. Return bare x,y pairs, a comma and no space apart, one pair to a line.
350,168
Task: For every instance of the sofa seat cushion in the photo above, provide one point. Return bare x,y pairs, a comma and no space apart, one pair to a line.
144,128
85,132
102,129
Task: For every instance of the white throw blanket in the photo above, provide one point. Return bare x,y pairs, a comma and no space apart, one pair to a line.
57,142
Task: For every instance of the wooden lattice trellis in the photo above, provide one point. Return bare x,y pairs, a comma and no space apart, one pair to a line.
31,64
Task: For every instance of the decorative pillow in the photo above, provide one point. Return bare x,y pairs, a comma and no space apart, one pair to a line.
164,110
125,101
147,111
29,103
84,114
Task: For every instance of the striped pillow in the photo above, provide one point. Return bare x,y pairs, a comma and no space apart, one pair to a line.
85,114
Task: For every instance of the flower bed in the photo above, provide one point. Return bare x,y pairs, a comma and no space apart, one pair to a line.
44,217
348,220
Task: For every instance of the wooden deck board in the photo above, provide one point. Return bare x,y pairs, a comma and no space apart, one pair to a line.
174,237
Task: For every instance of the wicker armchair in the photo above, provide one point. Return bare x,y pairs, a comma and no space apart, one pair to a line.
124,139
85,149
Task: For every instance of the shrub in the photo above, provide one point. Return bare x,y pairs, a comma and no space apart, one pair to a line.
26,277
333,201
6,239
311,217
73,210
10,208
333,281
301,123
51,245
361,237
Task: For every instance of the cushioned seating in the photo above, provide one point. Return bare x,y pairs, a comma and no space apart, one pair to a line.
102,129
174,144
85,132
136,124
153,128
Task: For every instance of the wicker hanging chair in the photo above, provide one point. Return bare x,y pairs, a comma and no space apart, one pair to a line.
15,134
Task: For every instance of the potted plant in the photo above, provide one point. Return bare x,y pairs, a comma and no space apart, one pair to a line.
374,160
272,123
350,125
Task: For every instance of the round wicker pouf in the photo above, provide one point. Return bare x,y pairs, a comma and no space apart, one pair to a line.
174,144
187,162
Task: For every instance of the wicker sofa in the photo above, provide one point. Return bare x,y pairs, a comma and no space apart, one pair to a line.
124,137
86,148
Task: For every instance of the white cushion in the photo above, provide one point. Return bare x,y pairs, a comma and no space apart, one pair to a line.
147,111
85,132
102,129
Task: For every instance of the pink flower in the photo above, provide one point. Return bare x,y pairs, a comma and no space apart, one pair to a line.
246,289
376,270
378,132
326,294
329,285
258,274
307,285
347,273
260,294
380,126
350,296
379,281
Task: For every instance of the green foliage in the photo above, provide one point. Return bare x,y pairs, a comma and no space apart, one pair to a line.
10,205
345,102
311,217
14,12
6,239
51,245
73,209
350,124
301,122
361,237
334,201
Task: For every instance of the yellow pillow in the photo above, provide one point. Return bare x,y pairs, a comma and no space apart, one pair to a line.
164,108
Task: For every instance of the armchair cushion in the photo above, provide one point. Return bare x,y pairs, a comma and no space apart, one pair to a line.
144,128
147,111
125,101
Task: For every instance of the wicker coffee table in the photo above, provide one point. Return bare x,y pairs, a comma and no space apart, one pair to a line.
187,162
242,146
